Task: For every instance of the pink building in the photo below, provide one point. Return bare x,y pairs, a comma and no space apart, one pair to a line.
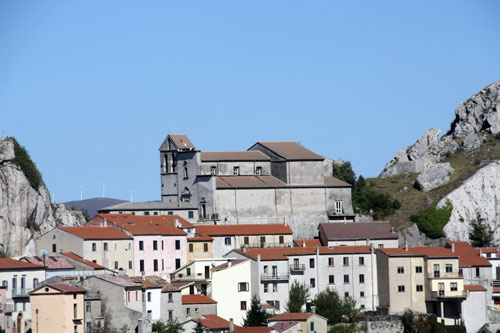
160,243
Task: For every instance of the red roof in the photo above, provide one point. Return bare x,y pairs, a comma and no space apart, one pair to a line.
469,256
253,329
8,263
50,262
308,242
67,288
244,229
144,224
96,233
200,238
197,299
474,287
291,316
76,257
281,253
213,322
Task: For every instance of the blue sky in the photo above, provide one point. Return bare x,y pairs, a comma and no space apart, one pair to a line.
91,88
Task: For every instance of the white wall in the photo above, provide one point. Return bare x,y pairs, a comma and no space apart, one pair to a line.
474,310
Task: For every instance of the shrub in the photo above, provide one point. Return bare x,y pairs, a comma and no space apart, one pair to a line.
432,220
23,160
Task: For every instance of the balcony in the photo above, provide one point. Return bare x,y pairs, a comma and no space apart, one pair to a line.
445,275
297,269
21,292
449,294
274,277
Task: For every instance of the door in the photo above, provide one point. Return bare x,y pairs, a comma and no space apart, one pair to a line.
296,263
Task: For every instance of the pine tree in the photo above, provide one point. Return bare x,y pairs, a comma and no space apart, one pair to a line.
480,233
256,315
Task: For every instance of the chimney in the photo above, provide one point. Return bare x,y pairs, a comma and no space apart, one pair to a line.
105,223
313,309
303,243
406,246
231,325
453,247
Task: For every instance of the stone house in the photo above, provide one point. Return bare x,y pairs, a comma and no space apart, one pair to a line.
160,244
270,182
106,246
171,303
377,234
195,306
57,307
19,278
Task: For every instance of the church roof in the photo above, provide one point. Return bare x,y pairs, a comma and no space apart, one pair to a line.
181,141
251,155
290,150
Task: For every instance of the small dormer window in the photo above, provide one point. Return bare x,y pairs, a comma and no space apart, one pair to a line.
258,171
236,171
213,171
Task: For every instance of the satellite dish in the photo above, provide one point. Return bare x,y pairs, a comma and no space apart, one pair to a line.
44,253
214,264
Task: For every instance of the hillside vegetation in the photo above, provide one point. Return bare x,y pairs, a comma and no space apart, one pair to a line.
412,201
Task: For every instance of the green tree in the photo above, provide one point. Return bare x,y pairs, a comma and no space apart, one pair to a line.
480,233
256,315
199,328
432,220
349,308
344,172
171,326
24,161
329,305
297,297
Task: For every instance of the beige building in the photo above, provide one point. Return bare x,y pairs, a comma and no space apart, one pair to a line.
199,247
106,246
57,308
421,279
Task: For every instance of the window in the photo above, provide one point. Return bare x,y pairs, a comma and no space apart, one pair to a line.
346,278
149,296
188,312
162,245
130,246
361,261
162,265
136,295
477,272
331,279
437,272
311,326
282,239
330,261
381,246
420,287
265,269
401,270
265,287
243,305
311,263
401,289
418,269
186,172
205,247
88,307
146,213
453,286
141,265
5,283
190,247
170,298
275,287
177,244
170,213
141,246
313,283
346,261
262,241
246,240
155,245
116,246
338,207
236,171
227,241
361,278
361,294
105,246
346,294
448,268
188,271
54,248
213,171
170,314
35,282
155,213
190,214
130,264
177,263
75,311
116,264
128,296
155,265
258,171
243,286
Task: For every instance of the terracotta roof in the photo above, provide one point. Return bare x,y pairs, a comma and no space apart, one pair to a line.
214,322
307,242
8,263
291,316
96,233
469,256
474,287
76,257
431,252
248,182
181,141
488,249
144,224
252,155
66,288
279,253
197,299
244,229
253,329
200,238
357,230
290,150
50,262
226,265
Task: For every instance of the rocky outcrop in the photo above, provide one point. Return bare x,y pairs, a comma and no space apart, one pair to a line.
433,177
477,197
25,212
412,236
480,113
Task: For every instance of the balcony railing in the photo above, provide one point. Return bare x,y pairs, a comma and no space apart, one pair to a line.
449,294
297,268
21,292
274,277
445,275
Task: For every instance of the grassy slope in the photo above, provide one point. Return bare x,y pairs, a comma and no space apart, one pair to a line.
412,201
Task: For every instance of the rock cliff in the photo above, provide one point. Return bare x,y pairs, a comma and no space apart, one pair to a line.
25,208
